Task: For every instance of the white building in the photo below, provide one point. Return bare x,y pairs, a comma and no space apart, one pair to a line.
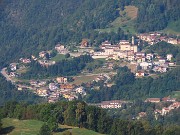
111,104
125,45
80,90
61,49
169,57
52,86
106,43
13,66
173,41
140,74
63,80
150,56
43,92
162,61
146,65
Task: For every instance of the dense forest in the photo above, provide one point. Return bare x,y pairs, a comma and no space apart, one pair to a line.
27,27
155,15
130,88
80,114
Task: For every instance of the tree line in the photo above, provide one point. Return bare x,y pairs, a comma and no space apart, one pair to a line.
65,67
76,113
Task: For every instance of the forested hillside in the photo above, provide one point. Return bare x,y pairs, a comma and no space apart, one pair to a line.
26,26
29,26
156,14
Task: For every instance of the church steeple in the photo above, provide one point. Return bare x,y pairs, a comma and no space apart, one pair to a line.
132,40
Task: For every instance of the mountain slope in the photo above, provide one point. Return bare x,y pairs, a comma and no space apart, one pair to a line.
29,26
156,14
26,26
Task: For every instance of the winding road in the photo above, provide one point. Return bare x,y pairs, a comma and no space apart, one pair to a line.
3,72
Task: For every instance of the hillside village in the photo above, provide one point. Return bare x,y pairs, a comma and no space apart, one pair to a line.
54,89
90,67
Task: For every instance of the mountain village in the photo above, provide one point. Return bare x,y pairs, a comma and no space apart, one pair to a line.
144,64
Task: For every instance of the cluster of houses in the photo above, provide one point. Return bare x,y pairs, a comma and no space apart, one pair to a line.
44,61
50,89
59,88
166,110
13,67
153,62
61,49
129,52
123,50
25,60
44,58
153,38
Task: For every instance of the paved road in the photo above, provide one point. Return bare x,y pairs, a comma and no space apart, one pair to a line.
3,72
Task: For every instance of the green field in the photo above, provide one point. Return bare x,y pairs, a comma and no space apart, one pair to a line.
58,57
32,127
173,28
77,131
82,131
175,94
21,127
84,79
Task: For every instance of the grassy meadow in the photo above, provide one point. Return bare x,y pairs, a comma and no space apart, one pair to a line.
31,127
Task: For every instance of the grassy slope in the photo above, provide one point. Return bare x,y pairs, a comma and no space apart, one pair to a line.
127,18
18,127
84,79
77,131
31,127
173,28
175,94
58,57
125,21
